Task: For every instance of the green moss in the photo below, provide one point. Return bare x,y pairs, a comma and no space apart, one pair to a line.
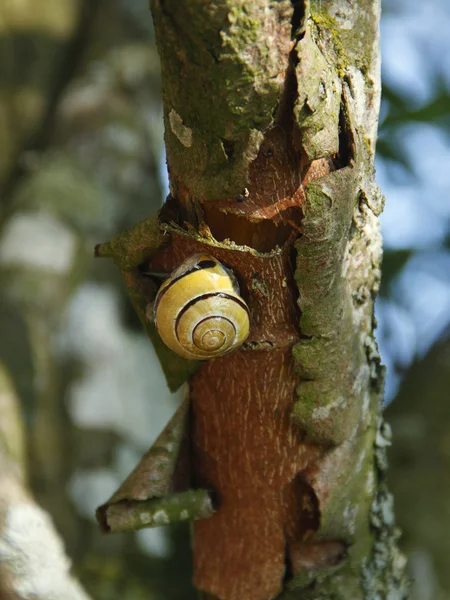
179,506
326,24
132,247
353,43
316,108
328,358
345,516
250,26
218,55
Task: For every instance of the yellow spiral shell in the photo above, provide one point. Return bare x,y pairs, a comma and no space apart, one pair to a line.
198,311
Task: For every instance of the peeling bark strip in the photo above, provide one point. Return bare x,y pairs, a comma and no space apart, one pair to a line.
271,111
153,494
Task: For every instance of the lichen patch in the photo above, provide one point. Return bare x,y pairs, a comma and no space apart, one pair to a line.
183,133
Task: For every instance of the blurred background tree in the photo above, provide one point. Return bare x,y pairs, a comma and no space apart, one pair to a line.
413,308
83,158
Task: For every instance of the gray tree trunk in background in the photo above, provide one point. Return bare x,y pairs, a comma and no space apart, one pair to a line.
73,95
271,113
420,453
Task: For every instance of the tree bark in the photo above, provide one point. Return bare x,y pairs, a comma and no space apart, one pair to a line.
271,112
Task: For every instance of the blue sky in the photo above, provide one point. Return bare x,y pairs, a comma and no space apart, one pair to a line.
415,44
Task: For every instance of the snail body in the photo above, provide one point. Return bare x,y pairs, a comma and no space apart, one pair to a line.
198,311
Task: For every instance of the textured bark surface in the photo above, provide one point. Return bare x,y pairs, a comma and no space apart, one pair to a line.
244,445
155,493
271,111
241,551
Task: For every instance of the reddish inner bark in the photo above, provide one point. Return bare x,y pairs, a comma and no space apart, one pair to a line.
244,446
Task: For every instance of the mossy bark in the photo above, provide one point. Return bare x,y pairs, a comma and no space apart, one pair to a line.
270,113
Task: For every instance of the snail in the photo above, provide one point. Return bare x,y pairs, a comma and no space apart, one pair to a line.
198,311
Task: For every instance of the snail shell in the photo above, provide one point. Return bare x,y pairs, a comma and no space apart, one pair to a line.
198,311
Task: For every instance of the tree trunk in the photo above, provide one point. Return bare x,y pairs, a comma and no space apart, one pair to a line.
32,558
271,112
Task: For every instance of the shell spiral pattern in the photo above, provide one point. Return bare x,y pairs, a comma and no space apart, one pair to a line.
198,311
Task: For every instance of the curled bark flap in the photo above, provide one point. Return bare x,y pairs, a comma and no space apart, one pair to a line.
162,472
129,251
